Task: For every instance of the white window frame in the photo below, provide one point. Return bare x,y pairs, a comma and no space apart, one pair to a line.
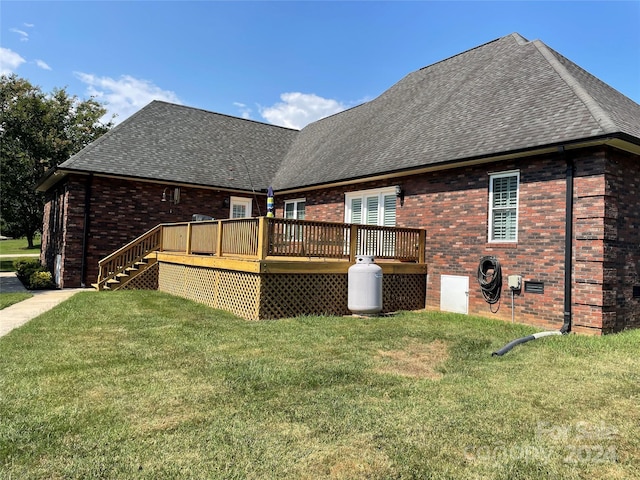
294,234
247,202
364,194
492,208
295,203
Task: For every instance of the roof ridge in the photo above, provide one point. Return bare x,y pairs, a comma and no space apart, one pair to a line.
601,117
515,35
518,38
222,114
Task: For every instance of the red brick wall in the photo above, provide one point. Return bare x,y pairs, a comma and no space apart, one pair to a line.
53,227
593,306
622,227
607,241
120,211
452,205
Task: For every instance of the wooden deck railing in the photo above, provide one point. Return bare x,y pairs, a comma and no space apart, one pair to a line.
268,237
259,238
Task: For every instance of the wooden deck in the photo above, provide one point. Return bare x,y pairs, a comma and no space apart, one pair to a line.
269,267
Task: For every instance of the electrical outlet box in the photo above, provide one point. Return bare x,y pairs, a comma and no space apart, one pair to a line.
514,282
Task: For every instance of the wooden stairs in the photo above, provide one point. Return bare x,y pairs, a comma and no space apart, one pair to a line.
128,274
128,262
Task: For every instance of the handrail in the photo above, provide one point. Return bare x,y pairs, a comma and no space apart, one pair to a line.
263,237
126,257
289,237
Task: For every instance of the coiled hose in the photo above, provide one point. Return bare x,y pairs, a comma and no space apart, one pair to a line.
490,279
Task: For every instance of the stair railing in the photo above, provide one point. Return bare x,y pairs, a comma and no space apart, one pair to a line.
128,256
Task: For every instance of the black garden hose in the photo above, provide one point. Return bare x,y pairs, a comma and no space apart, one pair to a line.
518,341
490,279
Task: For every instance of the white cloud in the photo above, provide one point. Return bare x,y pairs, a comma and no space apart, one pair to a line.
28,25
125,95
43,65
299,109
9,61
245,111
24,36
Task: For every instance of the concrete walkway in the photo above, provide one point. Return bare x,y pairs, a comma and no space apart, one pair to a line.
20,313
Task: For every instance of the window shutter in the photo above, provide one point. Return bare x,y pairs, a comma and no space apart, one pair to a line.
356,210
372,211
504,204
389,214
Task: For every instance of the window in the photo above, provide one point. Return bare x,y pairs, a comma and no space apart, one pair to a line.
371,207
240,207
503,206
294,209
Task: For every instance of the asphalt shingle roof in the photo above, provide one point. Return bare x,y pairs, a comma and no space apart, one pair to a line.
506,95
503,96
174,143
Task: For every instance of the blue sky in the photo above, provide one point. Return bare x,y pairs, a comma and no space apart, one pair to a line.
289,63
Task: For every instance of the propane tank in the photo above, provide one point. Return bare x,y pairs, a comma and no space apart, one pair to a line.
365,286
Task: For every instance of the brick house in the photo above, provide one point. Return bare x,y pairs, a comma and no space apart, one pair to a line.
508,150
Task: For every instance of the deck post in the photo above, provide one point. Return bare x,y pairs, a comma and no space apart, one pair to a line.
161,239
263,238
189,226
353,243
219,240
422,243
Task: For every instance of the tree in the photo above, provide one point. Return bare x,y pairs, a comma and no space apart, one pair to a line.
38,132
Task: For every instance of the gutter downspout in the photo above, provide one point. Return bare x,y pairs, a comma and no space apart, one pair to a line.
568,244
85,235
568,266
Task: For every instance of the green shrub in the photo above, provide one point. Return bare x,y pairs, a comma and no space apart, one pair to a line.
33,275
27,267
41,280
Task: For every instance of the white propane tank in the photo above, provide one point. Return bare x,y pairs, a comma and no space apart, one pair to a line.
365,286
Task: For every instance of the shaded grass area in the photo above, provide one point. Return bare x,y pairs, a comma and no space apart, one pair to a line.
145,385
6,264
8,299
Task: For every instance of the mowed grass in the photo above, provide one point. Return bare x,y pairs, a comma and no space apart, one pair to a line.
19,246
8,299
145,385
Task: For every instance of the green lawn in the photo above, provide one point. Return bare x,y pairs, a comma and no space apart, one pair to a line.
8,299
17,249
145,385
19,246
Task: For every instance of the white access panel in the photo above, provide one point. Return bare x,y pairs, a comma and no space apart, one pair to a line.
454,293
